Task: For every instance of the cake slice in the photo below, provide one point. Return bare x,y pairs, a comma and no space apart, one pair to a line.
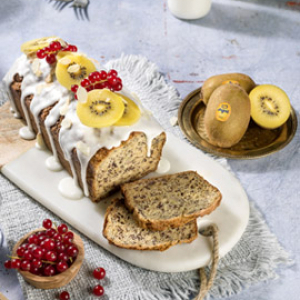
170,201
122,231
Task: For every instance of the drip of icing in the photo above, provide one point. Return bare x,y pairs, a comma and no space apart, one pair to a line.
69,189
53,164
163,166
29,86
26,133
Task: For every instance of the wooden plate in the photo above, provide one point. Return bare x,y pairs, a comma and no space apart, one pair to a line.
58,280
257,142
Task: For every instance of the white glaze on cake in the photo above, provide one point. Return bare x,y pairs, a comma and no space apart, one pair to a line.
47,94
26,133
70,189
53,164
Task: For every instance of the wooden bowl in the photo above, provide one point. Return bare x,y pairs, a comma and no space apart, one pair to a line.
57,280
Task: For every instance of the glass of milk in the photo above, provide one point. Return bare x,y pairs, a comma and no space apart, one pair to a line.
189,9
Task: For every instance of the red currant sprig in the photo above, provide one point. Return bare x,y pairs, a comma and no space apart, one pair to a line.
100,80
50,52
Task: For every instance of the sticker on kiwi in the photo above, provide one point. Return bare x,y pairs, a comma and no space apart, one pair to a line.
231,82
223,112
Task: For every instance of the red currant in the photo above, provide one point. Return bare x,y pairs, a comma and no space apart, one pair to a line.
34,270
42,238
47,223
25,265
112,73
41,54
27,255
63,256
72,251
57,236
60,247
67,240
94,77
41,233
99,273
25,246
73,48
47,50
113,81
101,85
103,75
89,88
118,87
49,270
48,244
44,251
50,232
85,83
36,263
70,234
51,59
7,264
37,252
98,290
33,239
15,263
64,296
51,256
55,46
62,266
20,251
74,88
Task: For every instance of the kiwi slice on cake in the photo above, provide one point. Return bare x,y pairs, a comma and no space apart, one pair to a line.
103,108
72,68
270,106
37,44
131,113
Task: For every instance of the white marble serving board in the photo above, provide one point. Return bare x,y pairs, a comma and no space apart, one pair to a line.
31,175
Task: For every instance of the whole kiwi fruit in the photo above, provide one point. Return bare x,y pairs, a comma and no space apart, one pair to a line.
213,82
227,115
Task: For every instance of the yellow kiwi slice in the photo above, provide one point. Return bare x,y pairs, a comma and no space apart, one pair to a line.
270,106
131,113
37,44
72,68
103,108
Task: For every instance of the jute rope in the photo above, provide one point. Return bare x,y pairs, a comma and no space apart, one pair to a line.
206,284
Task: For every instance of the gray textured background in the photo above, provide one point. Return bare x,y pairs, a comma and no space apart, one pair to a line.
260,38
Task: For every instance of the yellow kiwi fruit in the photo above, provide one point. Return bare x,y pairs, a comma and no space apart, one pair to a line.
72,68
37,44
270,106
103,108
131,113
213,82
227,115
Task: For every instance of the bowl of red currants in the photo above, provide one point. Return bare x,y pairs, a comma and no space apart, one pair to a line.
49,257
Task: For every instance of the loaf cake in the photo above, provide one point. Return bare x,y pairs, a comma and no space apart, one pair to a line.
99,159
121,230
170,201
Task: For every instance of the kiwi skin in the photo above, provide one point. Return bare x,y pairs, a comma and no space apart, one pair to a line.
225,134
213,82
